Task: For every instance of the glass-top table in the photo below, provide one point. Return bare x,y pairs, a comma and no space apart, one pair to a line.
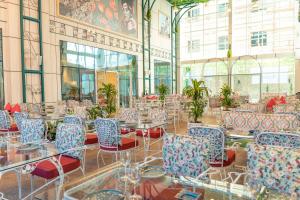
145,127
14,154
161,188
22,159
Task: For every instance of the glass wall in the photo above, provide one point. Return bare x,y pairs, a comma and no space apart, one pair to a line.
162,74
2,100
246,78
249,76
215,75
86,68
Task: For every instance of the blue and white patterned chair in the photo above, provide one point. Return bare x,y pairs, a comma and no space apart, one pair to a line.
157,116
19,117
128,115
90,138
288,140
32,131
110,138
5,123
275,167
70,144
219,156
185,156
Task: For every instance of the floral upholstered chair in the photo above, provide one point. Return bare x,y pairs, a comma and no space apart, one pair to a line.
5,123
288,140
218,156
185,156
70,144
275,167
32,130
128,115
110,139
90,138
19,117
157,116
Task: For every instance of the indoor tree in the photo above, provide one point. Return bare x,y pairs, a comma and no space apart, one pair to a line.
109,93
163,90
225,95
198,93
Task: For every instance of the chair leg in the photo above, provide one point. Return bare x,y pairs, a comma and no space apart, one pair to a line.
19,180
31,185
98,159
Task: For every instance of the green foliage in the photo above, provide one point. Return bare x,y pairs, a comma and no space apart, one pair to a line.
73,93
148,15
186,2
226,100
229,52
96,111
51,131
198,93
163,90
109,93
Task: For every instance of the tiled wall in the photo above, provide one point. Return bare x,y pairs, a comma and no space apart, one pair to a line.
56,28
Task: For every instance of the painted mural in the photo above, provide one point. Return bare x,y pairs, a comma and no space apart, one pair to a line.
113,15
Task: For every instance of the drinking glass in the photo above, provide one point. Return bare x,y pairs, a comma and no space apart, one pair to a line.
135,178
125,158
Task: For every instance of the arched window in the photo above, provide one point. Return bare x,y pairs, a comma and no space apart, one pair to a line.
215,75
245,78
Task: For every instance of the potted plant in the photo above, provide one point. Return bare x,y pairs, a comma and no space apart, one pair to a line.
163,90
109,93
95,111
225,95
51,129
198,93
73,93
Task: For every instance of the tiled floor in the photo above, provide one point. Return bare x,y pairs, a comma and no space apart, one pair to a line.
8,182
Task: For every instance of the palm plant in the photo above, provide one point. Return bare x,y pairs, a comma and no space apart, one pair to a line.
109,93
226,99
163,90
95,111
198,93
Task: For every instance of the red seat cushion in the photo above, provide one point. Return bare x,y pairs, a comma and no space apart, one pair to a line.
127,143
47,169
229,161
125,131
91,139
13,128
154,132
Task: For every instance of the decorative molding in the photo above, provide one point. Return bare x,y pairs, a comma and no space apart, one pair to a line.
103,39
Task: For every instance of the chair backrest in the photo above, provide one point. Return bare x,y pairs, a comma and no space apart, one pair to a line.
184,155
128,114
216,138
75,119
276,168
158,115
32,130
19,117
80,111
4,120
287,140
70,137
108,132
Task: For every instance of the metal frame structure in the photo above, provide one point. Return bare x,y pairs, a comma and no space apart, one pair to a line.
25,70
176,16
147,5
